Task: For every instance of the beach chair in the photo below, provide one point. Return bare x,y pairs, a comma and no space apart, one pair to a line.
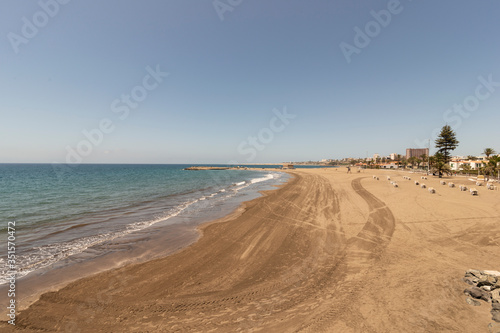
463,188
395,184
479,183
473,191
388,178
442,182
423,186
423,177
432,190
451,184
416,183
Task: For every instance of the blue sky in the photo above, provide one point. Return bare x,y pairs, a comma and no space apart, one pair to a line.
248,81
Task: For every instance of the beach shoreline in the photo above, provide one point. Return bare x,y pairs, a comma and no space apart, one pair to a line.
169,239
327,251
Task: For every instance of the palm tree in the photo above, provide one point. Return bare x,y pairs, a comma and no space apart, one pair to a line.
488,152
488,171
471,157
412,160
466,168
418,161
432,160
493,160
440,165
404,161
425,158
492,165
398,158
409,161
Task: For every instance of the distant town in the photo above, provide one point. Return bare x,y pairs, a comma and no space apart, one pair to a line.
415,158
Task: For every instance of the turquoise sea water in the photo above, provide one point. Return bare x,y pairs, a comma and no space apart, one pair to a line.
62,214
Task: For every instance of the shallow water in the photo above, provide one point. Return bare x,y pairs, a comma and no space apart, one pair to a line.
75,214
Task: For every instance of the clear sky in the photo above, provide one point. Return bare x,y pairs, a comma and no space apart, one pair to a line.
248,80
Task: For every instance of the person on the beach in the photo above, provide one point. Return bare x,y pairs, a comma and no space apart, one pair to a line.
348,169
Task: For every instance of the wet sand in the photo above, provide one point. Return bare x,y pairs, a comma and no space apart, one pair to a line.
328,252
155,242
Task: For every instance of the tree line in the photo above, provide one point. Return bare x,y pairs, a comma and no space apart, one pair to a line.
439,163
447,142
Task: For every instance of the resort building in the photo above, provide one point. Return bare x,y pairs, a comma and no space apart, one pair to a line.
416,152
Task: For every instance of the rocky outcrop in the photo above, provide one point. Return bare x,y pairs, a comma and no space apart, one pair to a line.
485,286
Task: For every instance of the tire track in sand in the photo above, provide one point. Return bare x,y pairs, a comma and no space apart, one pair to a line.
376,234
361,253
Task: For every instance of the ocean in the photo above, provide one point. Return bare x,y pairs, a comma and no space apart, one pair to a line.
90,211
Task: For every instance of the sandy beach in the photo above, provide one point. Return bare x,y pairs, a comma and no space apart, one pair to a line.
327,252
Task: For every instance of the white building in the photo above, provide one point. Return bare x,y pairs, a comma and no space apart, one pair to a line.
392,165
457,164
